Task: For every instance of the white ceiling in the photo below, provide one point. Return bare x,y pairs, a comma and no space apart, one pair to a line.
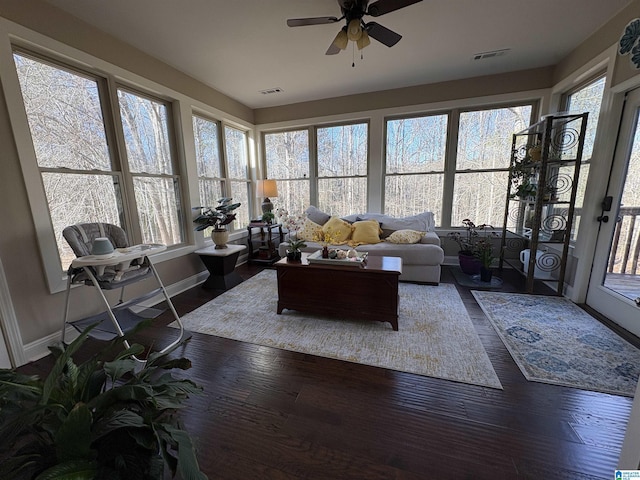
242,47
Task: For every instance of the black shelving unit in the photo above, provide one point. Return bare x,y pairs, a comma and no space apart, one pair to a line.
541,196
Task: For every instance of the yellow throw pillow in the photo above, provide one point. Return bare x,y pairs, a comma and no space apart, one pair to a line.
337,231
405,236
309,231
365,231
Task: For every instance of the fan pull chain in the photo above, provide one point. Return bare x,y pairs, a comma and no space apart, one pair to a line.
353,54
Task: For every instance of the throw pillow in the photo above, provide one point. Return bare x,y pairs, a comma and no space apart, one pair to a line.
338,230
317,216
309,231
405,236
365,231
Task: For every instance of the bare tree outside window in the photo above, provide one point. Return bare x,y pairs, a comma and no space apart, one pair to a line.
237,173
145,123
67,128
482,163
587,98
415,160
342,153
208,160
287,161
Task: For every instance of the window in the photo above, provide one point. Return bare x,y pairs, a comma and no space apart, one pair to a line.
145,123
415,162
208,160
69,138
215,178
237,173
482,163
342,168
586,98
287,161
333,176
80,163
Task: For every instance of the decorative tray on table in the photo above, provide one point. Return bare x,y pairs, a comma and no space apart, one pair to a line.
359,260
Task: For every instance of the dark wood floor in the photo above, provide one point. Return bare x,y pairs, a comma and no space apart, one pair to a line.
273,414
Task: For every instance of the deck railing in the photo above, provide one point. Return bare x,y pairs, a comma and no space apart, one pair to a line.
625,248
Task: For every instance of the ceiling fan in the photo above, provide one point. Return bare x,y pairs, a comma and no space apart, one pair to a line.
355,28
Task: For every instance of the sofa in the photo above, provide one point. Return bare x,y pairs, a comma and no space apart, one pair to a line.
411,238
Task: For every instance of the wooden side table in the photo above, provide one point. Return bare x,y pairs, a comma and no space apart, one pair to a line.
221,263
267,251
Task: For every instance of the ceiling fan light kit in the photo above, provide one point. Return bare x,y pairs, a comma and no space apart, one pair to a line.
355,29
341,39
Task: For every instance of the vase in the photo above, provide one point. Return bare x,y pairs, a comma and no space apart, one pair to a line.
220,237
485,274
294,256
325,252
469,264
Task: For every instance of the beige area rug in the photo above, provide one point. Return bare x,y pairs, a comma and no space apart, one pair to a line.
436,337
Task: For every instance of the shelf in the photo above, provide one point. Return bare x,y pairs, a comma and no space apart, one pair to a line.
554,174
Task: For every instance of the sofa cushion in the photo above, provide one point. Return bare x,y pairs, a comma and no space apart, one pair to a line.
405,236
365,231
316,215
423,222
337,230
310,231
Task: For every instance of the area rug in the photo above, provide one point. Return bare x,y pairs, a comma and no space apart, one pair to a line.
552,340
436,337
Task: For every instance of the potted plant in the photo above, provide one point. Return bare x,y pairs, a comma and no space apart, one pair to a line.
484,253
467,241
103,418
268,217
217,218
523,177
294,254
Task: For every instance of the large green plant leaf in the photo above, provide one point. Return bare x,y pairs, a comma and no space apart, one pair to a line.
71,470
187,461
73,438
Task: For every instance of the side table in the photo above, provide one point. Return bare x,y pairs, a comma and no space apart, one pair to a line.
266,251
221,263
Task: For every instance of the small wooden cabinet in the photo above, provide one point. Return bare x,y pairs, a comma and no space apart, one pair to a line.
264,247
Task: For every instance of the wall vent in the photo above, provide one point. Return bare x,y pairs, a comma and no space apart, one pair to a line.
269,91
494,53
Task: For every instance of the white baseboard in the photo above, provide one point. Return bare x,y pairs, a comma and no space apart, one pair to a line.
39,348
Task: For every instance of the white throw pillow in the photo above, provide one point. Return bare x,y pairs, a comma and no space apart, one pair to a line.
405,236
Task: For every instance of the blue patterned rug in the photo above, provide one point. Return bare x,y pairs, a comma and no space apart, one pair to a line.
553,340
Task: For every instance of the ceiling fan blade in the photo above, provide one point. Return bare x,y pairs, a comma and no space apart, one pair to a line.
385,6
382,34
301,22
332,50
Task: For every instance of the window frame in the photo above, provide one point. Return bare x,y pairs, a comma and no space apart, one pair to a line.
451,149
314,177
67,58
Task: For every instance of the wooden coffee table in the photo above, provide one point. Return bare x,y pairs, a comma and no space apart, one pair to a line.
369,292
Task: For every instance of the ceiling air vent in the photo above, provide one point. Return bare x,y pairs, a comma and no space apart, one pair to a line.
269,91
494,53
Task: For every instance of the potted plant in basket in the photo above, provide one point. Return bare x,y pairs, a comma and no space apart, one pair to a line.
100,418
468,241
217,218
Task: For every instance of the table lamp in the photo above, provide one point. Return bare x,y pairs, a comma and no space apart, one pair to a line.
266,189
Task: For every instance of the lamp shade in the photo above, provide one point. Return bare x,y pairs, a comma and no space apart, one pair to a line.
267,188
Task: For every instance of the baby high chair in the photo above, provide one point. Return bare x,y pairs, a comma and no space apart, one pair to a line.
116,267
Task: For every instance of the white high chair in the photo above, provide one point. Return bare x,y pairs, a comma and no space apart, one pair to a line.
124,266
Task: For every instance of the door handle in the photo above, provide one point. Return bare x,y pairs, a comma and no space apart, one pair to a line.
603,218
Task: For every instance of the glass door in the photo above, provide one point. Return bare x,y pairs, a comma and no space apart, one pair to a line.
614,288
